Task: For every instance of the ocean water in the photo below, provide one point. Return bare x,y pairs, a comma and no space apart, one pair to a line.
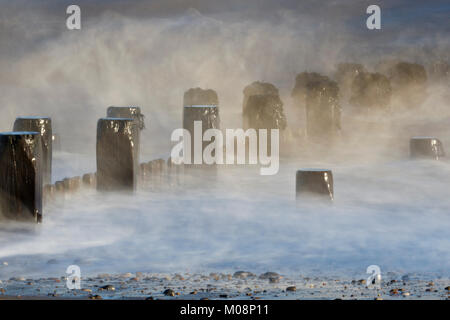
392,214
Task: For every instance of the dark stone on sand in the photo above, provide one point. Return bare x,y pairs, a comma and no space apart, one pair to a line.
269,275
312,183
117,154
21,184
243,275
393,292
108,287
274,280
169,293
43,126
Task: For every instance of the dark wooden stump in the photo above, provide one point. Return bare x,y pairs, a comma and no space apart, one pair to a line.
117,154
89,180
59,187
42,125
314,183
130,112
426,148
72,184
21,187
200,105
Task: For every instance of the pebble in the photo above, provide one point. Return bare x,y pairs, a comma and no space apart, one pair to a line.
178,277
242,275
108,287
169,293
291,289
274,280
269,275
393,292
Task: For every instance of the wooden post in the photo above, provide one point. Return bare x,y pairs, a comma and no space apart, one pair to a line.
426,148
42,125
117,154
200,105
21,187
312,183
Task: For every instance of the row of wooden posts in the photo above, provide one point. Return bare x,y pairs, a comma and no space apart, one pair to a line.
26,161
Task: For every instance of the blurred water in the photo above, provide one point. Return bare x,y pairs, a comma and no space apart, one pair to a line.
395,215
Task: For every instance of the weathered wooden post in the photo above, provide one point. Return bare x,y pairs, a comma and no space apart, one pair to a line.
59,187
89,180
320,97
256,88
200,105
129,112
117,154
426,148
314,183
42,125
21,187
72,185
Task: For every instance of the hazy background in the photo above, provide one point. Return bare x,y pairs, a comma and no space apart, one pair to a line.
388,210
